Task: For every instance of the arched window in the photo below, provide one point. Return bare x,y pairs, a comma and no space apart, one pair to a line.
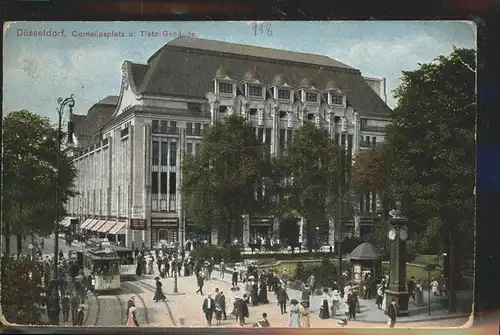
162,235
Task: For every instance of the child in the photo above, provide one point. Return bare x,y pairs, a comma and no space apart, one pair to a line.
218,314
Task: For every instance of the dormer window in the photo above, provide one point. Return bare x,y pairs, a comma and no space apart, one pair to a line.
311,97
336,99
255,91
283,94
226,88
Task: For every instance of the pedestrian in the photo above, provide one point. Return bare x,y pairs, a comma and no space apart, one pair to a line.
434,286
79,316
66,306
380,297
75,305
263,323
282,298
305,321
130,303
392,313
200,281
159,292
324,312
208,308
295,313
335,306
306,294
131,318
218,314
351,302
234,279
222,269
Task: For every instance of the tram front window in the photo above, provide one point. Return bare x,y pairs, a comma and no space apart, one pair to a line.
106,268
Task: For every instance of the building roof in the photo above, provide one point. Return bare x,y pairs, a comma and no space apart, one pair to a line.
97,116
187,66
365,251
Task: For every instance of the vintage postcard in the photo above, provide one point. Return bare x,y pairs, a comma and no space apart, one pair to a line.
238,174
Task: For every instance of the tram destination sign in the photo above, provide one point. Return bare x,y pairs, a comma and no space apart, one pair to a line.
138,224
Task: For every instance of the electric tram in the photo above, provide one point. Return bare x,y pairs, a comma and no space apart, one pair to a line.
102,265
128,266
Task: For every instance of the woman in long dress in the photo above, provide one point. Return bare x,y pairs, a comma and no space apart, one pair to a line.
324,312
295,314
434,287
305,321
131,318
335,308
159,292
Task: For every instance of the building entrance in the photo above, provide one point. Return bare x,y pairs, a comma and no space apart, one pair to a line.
289,231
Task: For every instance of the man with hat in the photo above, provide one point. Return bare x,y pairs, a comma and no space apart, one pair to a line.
208,308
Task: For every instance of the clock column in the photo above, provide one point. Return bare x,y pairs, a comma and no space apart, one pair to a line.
397,234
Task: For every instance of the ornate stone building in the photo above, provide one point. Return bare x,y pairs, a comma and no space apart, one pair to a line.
130,165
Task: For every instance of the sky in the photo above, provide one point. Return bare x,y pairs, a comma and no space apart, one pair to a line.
39,69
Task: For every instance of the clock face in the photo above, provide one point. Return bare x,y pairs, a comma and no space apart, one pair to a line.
392,234
403,234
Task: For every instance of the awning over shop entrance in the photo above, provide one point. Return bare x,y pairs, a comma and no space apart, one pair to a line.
92,224
98,225
117,228
86,223
107,226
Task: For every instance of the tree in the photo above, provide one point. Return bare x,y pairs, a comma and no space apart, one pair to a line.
310,165
220,182
22,291
432,146
29,176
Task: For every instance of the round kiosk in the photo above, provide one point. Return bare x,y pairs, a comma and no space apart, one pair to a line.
366,266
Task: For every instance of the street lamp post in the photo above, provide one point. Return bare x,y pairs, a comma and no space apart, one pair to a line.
53,308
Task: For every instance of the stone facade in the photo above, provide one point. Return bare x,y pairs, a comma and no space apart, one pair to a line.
132,171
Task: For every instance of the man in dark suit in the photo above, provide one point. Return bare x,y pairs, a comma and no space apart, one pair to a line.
392,312
282,298
79,317
75,305
208,308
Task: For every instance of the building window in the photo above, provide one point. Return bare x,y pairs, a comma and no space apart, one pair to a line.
311,97
173,124
289,135
283,94
173,180
255,91
163,127
268,136
194,108
173,153
164,153
282,114
197,148
253,111
154,182
337,99
282,139
225,88
197,129
349,143
374,141
156,153
155,126
260,135
189,149
204,129
163,182
189,128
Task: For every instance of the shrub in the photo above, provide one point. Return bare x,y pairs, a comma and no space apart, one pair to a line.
229,253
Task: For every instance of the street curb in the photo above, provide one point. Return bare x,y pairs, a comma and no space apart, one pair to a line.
437,318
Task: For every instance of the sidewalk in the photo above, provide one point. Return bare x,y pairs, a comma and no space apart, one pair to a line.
369,310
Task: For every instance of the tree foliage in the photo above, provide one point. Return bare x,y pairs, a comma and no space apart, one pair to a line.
432,147
311,166
22,290
219,183
29,174
370,171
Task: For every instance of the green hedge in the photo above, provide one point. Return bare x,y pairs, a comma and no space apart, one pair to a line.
324,273
229,254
